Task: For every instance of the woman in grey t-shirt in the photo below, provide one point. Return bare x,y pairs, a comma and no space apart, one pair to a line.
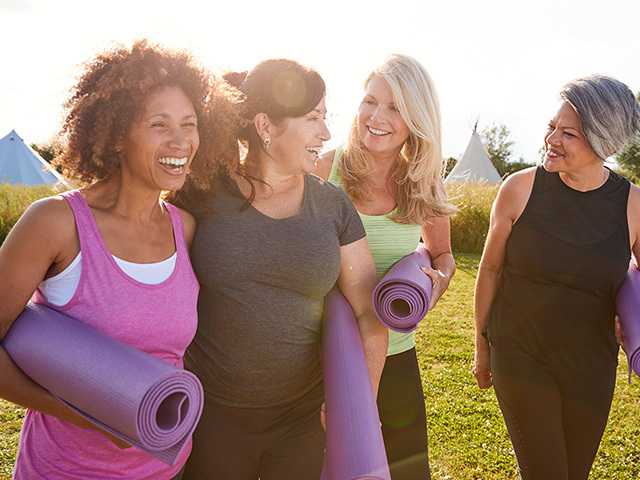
272,240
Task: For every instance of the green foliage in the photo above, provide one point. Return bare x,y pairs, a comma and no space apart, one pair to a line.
451,162
499,146
500,150
470,225
49,150
14,199
468,439
629,159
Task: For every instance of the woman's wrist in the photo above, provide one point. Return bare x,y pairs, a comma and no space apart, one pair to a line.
481,339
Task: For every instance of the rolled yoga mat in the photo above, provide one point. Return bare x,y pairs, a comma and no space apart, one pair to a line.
126,392
628,307
354,445
401,299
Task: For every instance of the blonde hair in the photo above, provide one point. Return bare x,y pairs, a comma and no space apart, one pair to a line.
418,172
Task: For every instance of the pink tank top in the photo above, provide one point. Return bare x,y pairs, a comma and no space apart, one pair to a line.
158,319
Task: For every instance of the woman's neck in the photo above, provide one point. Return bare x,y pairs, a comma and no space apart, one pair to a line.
264,168
136,203
587,178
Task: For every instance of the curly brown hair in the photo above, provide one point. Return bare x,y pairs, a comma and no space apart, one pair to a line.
110,95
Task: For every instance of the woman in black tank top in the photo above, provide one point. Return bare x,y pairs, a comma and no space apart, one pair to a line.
558,249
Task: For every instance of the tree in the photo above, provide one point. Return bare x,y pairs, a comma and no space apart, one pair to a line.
451,162
496,141
499,148
49,150
629,157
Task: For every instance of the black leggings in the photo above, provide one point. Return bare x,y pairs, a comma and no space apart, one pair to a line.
278,443
402,413
555,418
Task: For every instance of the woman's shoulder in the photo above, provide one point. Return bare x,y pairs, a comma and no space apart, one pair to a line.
519,184
325,164
49,218
52,214
514,193
634,199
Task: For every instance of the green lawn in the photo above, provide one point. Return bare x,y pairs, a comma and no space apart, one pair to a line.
468,440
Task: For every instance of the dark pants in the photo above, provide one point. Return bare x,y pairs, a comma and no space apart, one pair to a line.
555,418
276,443
402,413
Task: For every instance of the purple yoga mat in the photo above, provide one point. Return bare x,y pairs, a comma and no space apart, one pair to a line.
401,299
136,397
628,306
354,447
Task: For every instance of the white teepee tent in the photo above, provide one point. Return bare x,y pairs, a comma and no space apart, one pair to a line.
475,165
20,164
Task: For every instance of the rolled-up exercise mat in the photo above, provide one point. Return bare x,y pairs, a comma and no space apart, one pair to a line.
134,396
401,299
628,307
354,445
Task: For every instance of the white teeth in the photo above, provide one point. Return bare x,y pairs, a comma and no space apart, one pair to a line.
177,162
377,132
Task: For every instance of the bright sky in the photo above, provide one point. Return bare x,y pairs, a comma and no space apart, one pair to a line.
493,60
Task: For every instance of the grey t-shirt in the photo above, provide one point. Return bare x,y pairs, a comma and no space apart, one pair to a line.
263,283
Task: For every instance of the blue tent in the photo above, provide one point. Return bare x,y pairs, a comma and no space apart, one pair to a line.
20,164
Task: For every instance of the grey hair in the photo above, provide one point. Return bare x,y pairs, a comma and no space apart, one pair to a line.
608,111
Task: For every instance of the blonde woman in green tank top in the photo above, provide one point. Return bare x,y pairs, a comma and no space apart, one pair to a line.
391,167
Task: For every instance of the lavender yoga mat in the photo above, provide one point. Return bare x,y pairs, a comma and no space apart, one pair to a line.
128,393
628,307
354,446
401,299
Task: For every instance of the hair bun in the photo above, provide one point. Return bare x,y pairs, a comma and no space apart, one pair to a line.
235,78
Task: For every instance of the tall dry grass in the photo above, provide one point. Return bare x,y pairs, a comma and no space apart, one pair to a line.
470,225
14,200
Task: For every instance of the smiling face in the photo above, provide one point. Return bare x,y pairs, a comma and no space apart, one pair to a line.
298,141
567,148
380,126
162,141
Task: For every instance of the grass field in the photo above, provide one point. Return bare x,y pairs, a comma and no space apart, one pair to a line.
468,440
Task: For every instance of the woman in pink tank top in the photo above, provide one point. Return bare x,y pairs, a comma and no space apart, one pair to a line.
132,130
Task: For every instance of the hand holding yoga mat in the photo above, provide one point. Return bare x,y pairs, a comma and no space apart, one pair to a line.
402,297
628,307
354,447
136,397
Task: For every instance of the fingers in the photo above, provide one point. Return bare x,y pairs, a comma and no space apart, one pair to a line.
435,275
438,284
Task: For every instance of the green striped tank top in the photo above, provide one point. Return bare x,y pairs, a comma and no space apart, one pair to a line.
389,241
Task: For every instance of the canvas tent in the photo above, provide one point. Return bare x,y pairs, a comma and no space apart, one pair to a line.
20,164
475,165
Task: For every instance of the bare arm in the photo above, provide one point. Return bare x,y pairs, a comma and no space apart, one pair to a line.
357,281
633,219
436,234
507,208
42,239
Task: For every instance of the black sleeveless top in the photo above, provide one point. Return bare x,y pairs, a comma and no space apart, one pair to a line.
565,260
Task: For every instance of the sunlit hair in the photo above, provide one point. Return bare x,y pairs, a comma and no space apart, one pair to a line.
279,88
419,169
111,94
608,111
